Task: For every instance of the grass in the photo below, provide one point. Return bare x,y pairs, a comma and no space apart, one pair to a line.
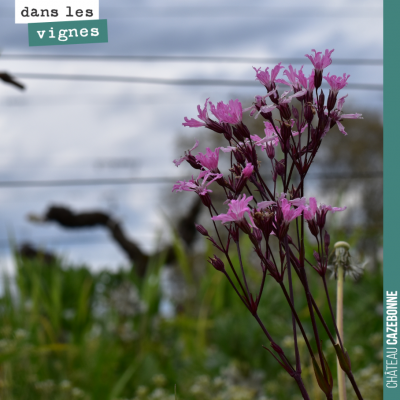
68,333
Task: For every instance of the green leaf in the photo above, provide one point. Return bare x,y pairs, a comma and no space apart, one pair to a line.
343,358
326,385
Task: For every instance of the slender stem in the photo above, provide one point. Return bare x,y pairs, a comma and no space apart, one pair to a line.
262,285
264,184
247,187
234,287
297,319
304,281
290,175
244,276
263,328
234,271
289,269
216,230
339,316
314,324
302,388
284,181
321,318
338,333
355,387
295,375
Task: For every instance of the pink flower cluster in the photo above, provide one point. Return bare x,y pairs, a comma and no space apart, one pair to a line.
321,62
291,209
230,113
254,206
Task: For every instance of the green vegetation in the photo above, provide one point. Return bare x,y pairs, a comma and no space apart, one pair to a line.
67,333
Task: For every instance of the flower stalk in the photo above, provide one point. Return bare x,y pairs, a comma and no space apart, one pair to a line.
339,323
256,210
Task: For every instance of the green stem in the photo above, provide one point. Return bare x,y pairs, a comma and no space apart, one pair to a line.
339,322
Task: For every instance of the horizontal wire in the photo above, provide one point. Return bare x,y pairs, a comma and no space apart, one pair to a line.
155,180
156,58
167,81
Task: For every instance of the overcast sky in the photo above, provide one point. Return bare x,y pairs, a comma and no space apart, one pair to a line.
73,129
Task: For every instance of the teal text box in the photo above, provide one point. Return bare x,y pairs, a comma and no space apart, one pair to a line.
68,32
391,196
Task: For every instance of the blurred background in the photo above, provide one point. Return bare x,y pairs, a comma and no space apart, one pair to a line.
99,259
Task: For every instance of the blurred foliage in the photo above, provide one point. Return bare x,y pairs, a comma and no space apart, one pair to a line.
67,333
359,154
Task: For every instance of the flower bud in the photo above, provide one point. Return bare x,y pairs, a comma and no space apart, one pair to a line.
321,100
276,348
312,226
255,242
295,112
257,234
331,100
206,200
217,263
244,131
239,157
285,111
244,226
234,231
327,241
274,175
267,116
228,134
321,219
317,78
201,229
280,167
238,134
308,114
270,151
193,162
283,230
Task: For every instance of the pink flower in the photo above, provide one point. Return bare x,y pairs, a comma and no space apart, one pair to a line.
307,83
186,156
203,115
248,170
210,159
265,78
230,113
237,210
336,82
299,202
282,100
297,80
228,149
265,204
258,103
266,109
287,100
289,213
293,78
319,212
195,185
271,137
321,62
337,115
207,121
309,213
